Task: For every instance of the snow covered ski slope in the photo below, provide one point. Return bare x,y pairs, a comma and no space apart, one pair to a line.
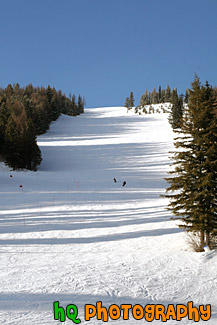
73,235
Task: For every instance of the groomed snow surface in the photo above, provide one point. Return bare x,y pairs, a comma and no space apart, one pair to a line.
72,235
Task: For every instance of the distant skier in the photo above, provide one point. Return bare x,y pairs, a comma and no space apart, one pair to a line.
124,183
114,179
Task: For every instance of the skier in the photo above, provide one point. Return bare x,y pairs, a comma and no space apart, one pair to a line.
124,183
114,179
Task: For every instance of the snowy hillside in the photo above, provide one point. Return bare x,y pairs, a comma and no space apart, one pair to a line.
73,235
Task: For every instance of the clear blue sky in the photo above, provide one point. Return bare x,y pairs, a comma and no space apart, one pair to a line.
103,49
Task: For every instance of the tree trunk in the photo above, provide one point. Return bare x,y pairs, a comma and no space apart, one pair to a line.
207,238
202,239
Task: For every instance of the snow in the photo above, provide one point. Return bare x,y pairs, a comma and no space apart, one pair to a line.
73,235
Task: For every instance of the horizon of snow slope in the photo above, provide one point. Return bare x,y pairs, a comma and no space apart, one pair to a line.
72,235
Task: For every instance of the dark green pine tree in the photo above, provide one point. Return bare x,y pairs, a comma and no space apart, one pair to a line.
80,105
4,116
215,92
168,94
30,151
159,95
20,148
163,95
174,95
131,100
144,99
194,181
177,110
74,106
154,96
127,103
186,95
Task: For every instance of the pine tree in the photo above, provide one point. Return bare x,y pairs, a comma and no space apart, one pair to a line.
215,92
177,110
80,105
186,96
195,174
144,99
74,106
127,103
154,96
163,95
168,94
131,100
4,116
173,96
20,147
159,95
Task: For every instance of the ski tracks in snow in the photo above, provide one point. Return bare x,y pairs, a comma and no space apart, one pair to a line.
73,235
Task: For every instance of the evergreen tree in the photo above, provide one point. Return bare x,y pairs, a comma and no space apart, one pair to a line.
215,92
194,178
173,96
163,95
20,147
131,100
168,94
186,96
74,106
154,96
145,99
127,103
159,95
4,116
80,105
177,110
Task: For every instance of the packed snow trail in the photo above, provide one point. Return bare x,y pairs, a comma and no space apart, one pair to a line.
72,235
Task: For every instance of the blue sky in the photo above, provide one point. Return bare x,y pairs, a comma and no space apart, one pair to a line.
103,49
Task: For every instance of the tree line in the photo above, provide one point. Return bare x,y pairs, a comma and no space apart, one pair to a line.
161,96
25,113
156,97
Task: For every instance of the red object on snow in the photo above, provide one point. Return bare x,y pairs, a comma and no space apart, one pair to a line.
21,185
